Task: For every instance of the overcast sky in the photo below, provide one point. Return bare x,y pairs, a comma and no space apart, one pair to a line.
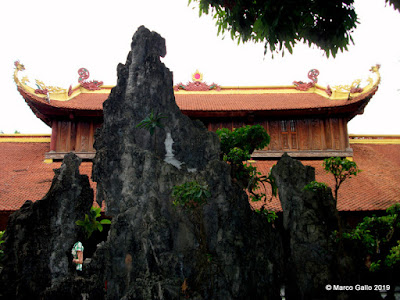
53,39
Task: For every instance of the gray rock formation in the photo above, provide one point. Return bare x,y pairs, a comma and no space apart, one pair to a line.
309,219
40,235
155,250
144,86
152,251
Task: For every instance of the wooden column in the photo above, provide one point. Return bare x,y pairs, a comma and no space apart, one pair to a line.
54,131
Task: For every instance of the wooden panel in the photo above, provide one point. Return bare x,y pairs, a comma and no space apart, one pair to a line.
293,134
285,140
274,132
345,134
63,136
303,134
335,134
85,132
293,141
316,134
328,133
73,136
91,137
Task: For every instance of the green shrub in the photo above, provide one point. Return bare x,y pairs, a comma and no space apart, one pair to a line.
378,238
315,186
236,147
90,224
190,195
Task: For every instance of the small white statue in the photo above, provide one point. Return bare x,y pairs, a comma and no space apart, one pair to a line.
77,253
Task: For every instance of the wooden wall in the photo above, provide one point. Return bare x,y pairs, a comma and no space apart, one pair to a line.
313,134
73,135
312,137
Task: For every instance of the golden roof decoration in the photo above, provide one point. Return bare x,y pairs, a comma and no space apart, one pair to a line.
355,86
197,86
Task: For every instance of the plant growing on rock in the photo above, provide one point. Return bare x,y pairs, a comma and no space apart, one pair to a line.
191,197
151,123
315,186
341,169
236,147
90,223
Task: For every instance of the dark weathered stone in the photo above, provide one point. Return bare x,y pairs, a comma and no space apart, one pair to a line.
313,259
309,219
153,248
144,85
157,251
40,235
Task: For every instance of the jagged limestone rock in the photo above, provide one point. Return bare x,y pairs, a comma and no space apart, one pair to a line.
144,86
153,249
40,235
309,220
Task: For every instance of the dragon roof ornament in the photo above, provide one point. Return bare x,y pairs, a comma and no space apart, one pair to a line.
53,92
302,86
340,91
89,85
197,84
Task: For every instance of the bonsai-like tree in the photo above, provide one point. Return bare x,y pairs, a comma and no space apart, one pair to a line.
341,169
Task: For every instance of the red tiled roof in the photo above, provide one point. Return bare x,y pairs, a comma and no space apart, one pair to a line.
216,101
376,188
84,101
26,177
258,102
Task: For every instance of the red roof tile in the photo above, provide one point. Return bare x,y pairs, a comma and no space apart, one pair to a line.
257,102
376,188
216,101
26,177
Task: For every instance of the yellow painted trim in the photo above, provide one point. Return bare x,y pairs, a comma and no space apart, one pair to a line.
376,141
25,140
25,134
48,161
337,94
240,91
359,136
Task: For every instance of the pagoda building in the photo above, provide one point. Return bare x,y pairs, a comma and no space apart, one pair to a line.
304,119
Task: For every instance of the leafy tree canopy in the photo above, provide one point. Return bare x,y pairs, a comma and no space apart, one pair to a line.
341,169
282,24
378,238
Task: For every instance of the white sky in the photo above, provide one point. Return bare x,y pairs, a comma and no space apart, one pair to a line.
53,39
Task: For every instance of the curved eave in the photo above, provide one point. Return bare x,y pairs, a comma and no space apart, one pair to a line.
46,111
225,102
312,105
